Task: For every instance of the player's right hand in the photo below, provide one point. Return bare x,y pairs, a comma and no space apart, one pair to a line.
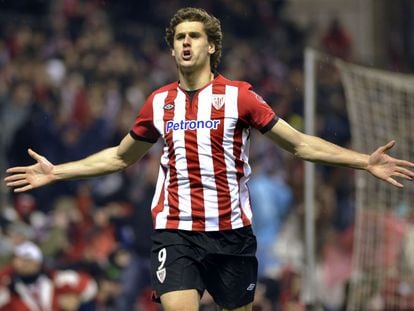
24,178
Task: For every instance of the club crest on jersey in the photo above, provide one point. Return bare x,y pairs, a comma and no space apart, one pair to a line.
218,101
259,98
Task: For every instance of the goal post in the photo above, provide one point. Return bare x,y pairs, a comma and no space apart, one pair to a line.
380,106
309,294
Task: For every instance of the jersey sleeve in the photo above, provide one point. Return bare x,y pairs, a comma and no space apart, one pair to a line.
143,128
255,111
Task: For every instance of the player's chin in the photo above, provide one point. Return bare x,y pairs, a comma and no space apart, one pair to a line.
187,66
187,62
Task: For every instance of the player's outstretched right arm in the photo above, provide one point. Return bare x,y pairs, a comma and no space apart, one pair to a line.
43,172
315,149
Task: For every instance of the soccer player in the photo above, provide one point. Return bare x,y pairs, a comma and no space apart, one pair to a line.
201,209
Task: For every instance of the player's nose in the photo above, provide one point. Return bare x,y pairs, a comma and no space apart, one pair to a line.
187,40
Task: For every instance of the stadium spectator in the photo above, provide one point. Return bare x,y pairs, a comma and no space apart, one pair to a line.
337,41
27,285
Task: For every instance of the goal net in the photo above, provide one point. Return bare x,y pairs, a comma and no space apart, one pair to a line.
380,105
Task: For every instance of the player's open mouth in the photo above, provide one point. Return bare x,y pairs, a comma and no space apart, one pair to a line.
186,55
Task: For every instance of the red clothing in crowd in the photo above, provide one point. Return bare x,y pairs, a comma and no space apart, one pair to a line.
43,294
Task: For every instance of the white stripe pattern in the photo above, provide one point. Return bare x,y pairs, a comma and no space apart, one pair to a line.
244,191
162,181
184,191
205,154
231,114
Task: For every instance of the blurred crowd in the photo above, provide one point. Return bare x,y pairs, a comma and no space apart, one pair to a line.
73,74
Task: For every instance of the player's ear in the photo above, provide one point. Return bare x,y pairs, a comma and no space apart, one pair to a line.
172,52
211,48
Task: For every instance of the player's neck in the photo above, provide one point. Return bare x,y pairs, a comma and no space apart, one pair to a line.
194,80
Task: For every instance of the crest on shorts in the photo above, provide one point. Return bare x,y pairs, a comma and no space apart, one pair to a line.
218,101
161,274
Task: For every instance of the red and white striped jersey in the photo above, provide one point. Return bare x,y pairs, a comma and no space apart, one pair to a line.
204,169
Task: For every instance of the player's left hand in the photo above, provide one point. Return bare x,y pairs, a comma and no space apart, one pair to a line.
385,167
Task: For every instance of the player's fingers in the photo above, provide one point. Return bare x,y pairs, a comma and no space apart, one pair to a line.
387,146
395,183
14,177
16,183
402,176
404,163
406,172
23,189
34,155
16,169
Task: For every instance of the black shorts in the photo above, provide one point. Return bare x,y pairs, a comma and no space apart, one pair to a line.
222,262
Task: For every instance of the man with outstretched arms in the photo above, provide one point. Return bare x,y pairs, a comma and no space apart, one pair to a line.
201,208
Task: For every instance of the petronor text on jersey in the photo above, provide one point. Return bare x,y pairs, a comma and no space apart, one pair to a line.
191,125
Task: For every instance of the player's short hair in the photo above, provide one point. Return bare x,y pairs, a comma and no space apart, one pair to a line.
212,27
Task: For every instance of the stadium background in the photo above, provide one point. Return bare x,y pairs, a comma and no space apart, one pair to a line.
73,75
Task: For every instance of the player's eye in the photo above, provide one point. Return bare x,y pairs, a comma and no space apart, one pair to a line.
195,35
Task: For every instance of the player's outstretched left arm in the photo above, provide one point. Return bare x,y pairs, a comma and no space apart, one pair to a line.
315,149
107,161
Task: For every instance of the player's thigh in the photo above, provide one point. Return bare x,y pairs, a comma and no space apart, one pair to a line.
181,300
248,307
174,265
231,280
